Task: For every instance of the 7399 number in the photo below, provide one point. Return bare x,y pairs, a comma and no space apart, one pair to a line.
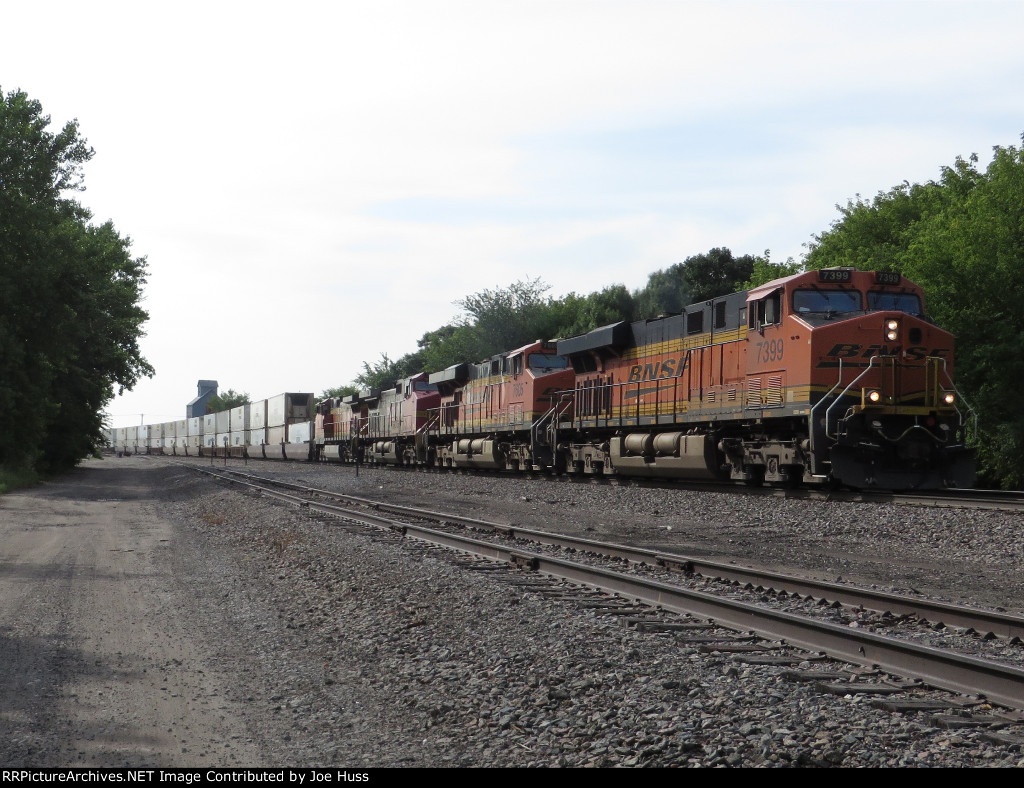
770,350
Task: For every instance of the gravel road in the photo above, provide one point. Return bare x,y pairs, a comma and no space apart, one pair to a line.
149,617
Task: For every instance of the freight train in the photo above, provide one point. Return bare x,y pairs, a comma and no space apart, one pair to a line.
828,377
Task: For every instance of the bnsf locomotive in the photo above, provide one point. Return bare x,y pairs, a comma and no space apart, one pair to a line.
826,377
830,377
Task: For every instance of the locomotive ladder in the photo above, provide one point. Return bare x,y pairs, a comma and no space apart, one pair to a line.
544,431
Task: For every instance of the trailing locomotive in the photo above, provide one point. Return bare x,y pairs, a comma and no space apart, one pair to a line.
830,377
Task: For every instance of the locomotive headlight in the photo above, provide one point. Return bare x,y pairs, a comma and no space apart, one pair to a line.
873,396
892,330
948,397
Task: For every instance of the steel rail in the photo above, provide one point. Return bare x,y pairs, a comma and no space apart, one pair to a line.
995,682
999,624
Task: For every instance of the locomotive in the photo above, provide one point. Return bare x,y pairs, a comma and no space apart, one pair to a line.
828,377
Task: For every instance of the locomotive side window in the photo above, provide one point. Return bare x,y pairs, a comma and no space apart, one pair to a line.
542,364
720,314
767,311
829,301
694,322
517,365
895,302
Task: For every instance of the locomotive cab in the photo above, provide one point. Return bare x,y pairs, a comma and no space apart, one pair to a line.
884,409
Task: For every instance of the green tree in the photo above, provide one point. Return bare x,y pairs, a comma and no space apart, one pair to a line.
579,314
380,375
697,278
505,319
338,391
69,297
226,401
716,273
666,293
766,271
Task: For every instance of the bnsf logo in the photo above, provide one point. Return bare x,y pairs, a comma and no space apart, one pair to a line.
916,353
658,369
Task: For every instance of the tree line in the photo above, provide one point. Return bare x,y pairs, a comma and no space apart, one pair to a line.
70,291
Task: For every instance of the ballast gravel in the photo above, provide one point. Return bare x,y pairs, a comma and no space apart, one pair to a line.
351,650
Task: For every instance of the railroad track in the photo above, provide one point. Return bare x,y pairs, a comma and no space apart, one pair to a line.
998,500
760,633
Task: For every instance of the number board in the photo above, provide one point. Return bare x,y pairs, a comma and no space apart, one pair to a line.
835,275
887,278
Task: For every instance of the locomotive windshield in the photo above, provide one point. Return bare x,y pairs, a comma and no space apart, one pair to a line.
541,364
830,301
895,302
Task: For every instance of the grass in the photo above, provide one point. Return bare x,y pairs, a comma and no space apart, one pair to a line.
16,478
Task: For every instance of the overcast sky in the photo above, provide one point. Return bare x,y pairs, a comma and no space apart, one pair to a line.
316,183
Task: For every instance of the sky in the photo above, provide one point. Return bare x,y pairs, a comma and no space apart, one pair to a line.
317,184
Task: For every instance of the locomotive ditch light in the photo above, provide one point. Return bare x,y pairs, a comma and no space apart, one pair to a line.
892,330
948,397
872,396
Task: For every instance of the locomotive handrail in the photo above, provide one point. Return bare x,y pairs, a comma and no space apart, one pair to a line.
551,416
931,361
969,431
871,363
811,431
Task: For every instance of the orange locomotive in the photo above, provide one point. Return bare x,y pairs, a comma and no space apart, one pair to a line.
826,377
497,414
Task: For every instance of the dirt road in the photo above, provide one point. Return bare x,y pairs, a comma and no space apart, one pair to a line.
99,663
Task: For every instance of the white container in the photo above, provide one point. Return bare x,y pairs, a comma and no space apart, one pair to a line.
240,418
289,408
258,415
299,432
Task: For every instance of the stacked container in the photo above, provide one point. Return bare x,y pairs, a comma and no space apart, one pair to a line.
285,413
239,424
195,435
258,423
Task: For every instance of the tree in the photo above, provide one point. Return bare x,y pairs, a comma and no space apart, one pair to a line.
579,314
338,392
698,278
716,273
666,293
381,375
69,297
226,401
505,319
766,271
